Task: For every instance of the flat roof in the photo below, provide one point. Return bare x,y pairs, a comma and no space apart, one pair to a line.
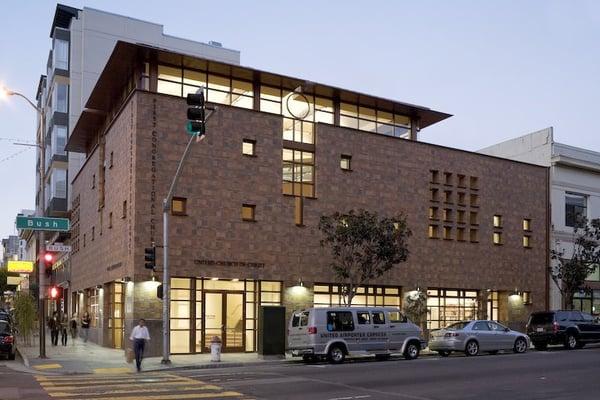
126,56
63,16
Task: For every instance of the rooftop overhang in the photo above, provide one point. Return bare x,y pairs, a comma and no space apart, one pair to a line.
62,17
126,57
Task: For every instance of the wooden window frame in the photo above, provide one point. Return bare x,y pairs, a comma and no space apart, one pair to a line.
183,200
252,207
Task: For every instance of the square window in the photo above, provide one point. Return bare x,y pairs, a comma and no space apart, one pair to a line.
179,206
474,200
497,238
447,214
462,181
474,182
447,196
460,214
527,241
461,198
448,178
575,208
249,147
497,221
473,235
526,224
460,234
345,162
435,176
473,218
248,212
434,195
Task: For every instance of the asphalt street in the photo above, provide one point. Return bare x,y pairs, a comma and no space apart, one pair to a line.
555,374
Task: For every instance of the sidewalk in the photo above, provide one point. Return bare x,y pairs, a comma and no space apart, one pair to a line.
89,358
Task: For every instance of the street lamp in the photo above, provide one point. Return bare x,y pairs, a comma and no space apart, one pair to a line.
40,142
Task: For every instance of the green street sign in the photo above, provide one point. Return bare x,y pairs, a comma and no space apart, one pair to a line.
43,223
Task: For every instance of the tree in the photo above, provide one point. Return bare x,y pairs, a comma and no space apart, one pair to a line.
25,315
363,246
415,307
570,269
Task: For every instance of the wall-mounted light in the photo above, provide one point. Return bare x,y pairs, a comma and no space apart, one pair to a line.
300,283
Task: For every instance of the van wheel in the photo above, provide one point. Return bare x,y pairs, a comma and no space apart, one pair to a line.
336,355
412,351
520,346
571,342
382,357
472,348
444,353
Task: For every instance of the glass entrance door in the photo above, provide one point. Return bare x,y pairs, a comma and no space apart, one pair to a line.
224,318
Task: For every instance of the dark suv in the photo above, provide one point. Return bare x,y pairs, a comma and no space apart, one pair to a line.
572,329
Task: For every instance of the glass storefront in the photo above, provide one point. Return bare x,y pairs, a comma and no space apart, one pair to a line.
203,308
330,295
445,306
588,302
116,297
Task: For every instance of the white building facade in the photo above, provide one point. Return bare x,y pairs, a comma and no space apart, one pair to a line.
574,192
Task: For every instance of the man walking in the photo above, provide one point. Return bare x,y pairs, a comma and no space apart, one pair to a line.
139,335
53,324
85,326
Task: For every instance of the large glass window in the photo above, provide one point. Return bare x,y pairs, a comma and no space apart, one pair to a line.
575,208
445,306
61,93
372,120
58,184
181,314
59,140
330,295
116,296
298,172
298,131
93,307
61,54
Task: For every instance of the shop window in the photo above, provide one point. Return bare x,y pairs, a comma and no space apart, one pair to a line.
331,295
497,238
345,162
445,306
248,212
497,220
527,224
179,206
249,147
527,241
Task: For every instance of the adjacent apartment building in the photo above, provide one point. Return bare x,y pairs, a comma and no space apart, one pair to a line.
575,192
279,153
82,40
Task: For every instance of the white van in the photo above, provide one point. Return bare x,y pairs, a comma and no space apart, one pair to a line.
337,332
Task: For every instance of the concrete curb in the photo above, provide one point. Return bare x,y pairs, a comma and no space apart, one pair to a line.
24,358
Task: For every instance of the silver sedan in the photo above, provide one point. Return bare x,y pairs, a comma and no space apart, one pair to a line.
472,337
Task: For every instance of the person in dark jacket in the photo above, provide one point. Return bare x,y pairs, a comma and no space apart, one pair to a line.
73,327
85,326
53,324
64,324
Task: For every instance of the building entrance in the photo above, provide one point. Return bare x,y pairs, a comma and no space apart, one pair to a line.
224,318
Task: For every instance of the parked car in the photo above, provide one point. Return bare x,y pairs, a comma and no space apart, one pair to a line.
473,337
572,329
8,344
337,332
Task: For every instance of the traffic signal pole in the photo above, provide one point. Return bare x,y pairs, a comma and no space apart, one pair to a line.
166,275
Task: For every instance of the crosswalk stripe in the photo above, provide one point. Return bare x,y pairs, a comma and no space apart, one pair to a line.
146,386
120,370
47,366
151,390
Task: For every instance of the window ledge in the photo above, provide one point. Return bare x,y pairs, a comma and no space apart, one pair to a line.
347,169
250,155
179,214
248,220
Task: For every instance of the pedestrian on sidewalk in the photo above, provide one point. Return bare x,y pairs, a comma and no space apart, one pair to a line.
53,324
85,326
139,336
64,323
73,327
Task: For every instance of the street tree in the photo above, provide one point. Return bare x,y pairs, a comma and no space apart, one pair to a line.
25,315
570,267
363,246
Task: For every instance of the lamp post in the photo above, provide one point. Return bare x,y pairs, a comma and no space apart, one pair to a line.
41,144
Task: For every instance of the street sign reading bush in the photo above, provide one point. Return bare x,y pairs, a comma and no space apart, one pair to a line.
43,223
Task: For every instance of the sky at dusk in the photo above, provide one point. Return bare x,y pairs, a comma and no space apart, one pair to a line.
502,68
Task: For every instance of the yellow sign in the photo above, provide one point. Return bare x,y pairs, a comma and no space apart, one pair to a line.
23,267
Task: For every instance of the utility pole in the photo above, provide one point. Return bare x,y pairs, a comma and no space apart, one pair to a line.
196,127
41,144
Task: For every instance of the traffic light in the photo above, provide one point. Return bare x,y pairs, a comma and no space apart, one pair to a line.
54,292
48,259
196,114
150,257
